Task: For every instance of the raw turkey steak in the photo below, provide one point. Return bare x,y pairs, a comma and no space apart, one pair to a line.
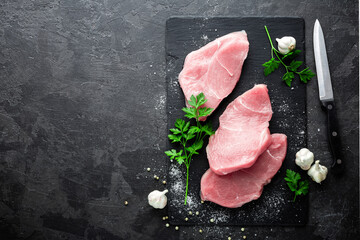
215,68
243,134
237,188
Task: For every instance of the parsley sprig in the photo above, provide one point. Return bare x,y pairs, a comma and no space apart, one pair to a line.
292,179
291,69
190,137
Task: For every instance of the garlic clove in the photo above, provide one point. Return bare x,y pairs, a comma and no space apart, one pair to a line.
157,199
304,158
286,44
318,172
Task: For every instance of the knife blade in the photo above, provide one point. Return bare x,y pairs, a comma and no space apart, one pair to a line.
327,97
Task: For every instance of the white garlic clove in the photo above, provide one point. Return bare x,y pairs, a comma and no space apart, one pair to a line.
157,199
304,158
286,44
318,172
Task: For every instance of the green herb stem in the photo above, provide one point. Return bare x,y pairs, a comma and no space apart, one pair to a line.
187,183
286,67
272,46
273,49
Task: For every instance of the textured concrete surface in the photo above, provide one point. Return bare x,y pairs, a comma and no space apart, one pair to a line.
82,115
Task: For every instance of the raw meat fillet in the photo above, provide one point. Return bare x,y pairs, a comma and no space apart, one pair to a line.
215,68
237,188
243,134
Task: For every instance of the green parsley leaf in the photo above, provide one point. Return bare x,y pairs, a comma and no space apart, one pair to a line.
303,187
174,138
271,66
194,129
192,150
192,101
291,55
292,176
294,65
203,112
180,124
288,77
292,186
188,136
175,131
190,112
207,128
306,75
186,127
292,180
200,100
198,145
180,159
172,153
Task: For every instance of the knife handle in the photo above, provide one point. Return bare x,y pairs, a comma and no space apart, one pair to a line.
334,137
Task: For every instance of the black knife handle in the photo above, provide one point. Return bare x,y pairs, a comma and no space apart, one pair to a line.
334,137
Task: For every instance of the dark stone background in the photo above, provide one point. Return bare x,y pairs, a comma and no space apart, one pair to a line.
82,115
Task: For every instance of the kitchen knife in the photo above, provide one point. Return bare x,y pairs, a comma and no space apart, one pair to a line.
327,97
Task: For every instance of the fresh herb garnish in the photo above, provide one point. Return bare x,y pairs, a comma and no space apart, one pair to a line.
291,69
292,180
190,137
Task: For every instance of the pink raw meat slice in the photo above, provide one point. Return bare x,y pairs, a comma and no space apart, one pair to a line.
215,68
243,134
237,188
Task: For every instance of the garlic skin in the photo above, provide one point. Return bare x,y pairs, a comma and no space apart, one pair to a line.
304,158
286,44
157,199
318,172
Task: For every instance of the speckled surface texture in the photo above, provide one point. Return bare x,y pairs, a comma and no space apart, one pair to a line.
82,115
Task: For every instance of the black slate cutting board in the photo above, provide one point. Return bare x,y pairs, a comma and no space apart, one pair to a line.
275,206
